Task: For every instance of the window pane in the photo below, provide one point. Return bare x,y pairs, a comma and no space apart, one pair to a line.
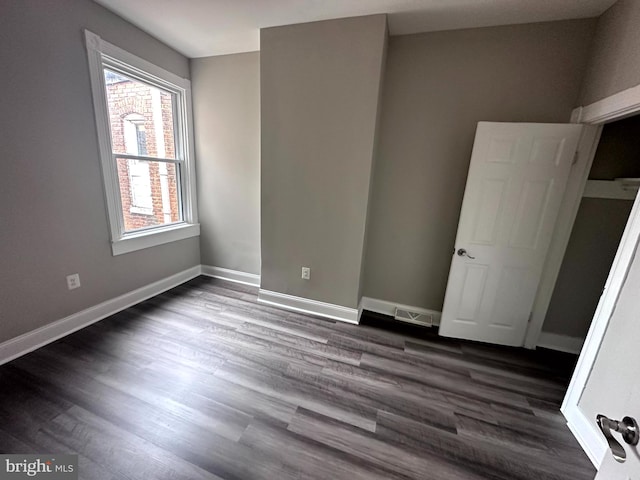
140,117
149,193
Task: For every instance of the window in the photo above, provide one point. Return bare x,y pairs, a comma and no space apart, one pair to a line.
146,152
138,189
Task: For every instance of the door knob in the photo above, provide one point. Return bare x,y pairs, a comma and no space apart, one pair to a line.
462,252
628,428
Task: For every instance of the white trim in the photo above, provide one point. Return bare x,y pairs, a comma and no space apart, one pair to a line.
389,308
576,114
231,275
615,107
608,109
611,189
25,343
101,52
150,238
561,343
306,305
587,435
586,152
96,43
109,175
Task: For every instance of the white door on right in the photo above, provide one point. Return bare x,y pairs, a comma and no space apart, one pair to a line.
516,182
613,387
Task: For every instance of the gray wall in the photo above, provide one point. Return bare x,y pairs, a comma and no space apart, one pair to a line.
593,244
437,87
226,110
376,150
614,64
52,210
319,99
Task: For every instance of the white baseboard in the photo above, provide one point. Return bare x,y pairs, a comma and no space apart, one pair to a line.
587,434
389,308
561,343
305,305
25,343
231,275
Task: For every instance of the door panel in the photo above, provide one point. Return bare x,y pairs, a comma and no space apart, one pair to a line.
547,150
489,210
475,277
531,213
512,286
517,176
501,150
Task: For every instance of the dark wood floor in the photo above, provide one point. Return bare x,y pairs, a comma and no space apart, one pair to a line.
202,383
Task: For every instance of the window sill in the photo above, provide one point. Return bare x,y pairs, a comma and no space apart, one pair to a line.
138,241
141,210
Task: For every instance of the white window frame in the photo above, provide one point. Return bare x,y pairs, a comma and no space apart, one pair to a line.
101,53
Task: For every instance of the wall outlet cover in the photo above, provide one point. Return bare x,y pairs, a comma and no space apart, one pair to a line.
73,281
306,273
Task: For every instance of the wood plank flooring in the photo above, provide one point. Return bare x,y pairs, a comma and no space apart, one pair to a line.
203,382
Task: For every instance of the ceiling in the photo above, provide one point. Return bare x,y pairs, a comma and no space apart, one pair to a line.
200,28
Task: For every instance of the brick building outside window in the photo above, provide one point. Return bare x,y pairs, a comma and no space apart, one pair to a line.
141,121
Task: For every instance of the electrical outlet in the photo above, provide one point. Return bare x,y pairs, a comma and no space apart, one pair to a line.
306,273
73,281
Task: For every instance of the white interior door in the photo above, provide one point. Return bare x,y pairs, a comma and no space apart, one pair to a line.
612,388
516,181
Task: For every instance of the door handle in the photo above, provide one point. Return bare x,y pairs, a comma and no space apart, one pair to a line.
462,252
628,428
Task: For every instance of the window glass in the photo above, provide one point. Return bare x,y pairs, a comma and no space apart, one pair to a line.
142,125
149,192
140,117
